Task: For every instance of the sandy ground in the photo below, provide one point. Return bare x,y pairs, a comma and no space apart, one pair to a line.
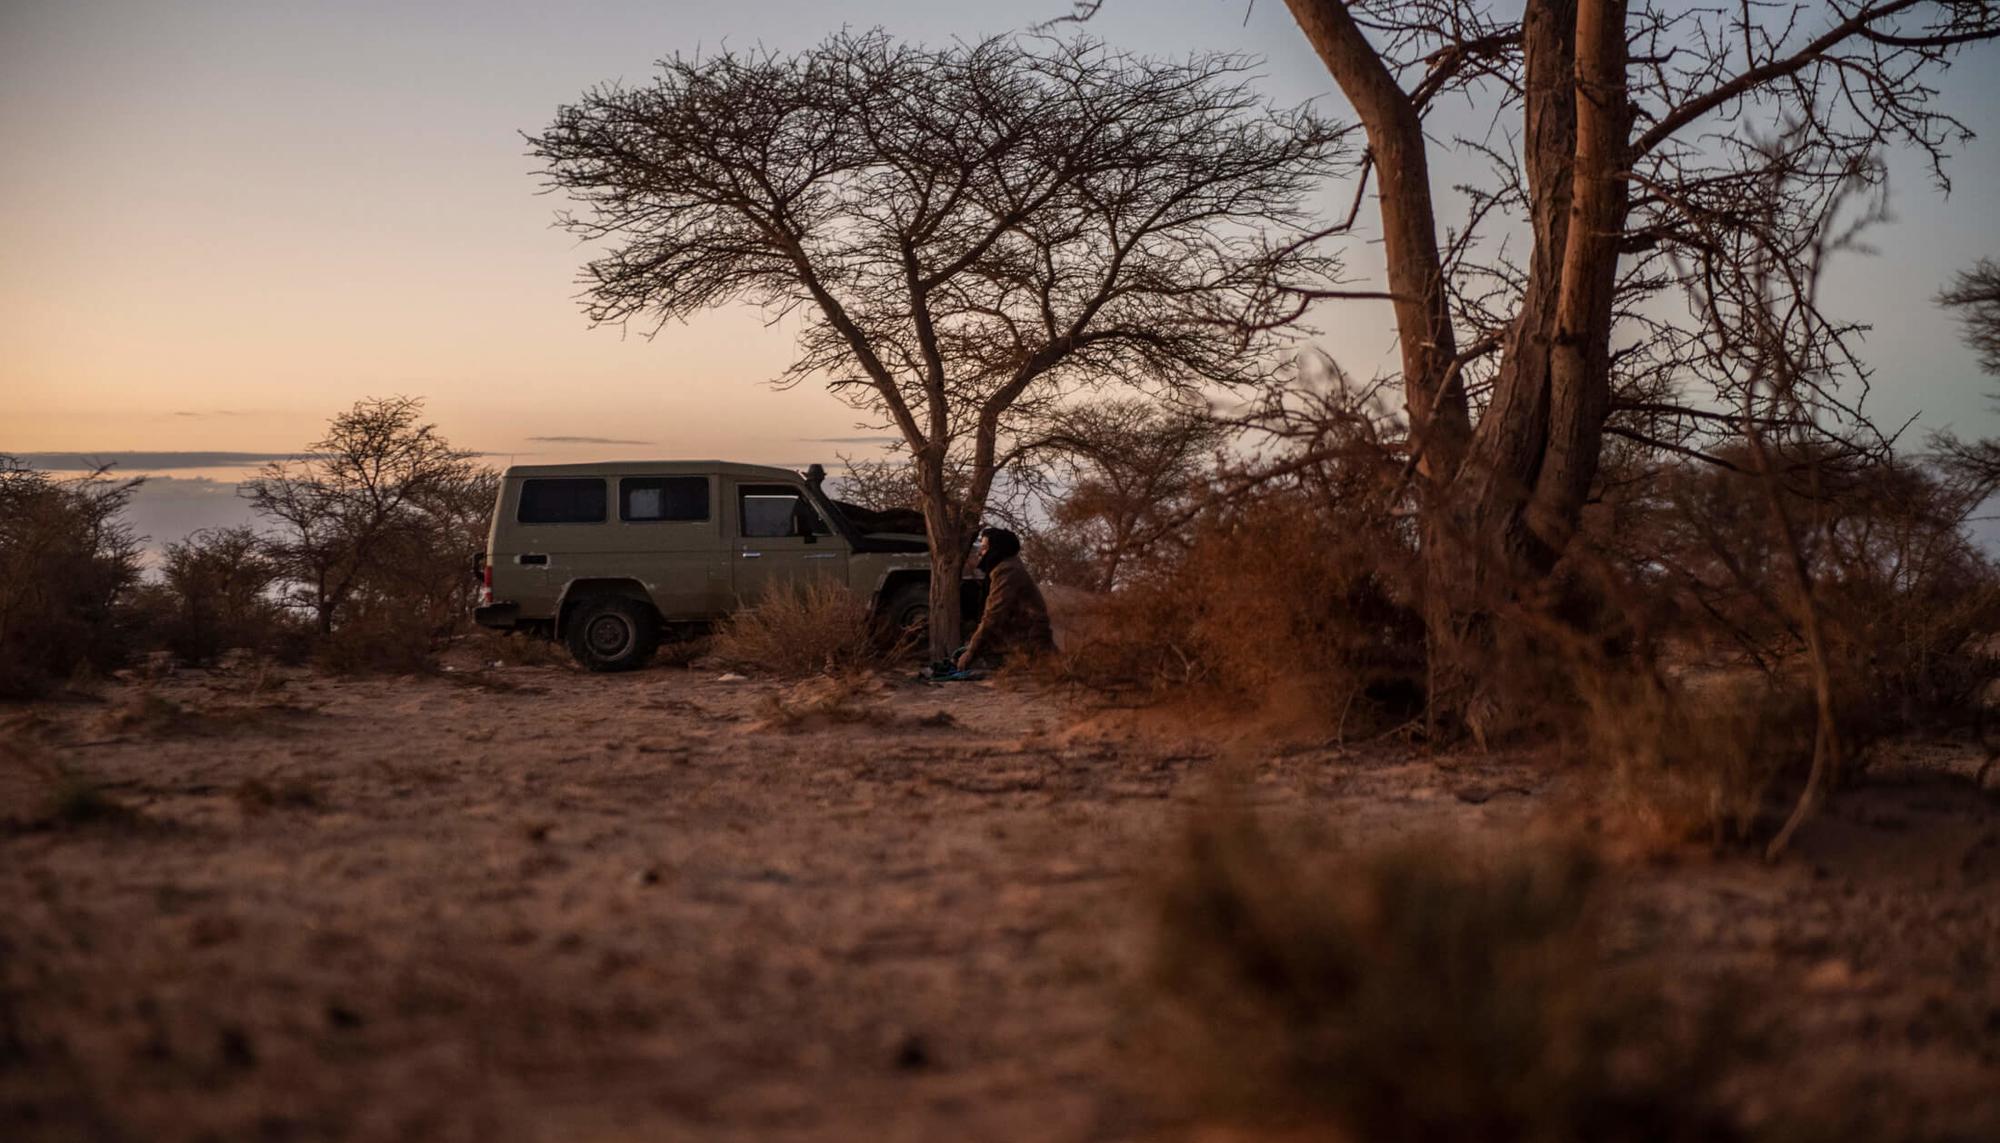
526,903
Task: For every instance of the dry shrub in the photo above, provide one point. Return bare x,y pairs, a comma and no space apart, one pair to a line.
377,637
1415,993
1694,567
371,534
215,595
1274,605
801,629
1908,601
68,567
1688,759
1129,471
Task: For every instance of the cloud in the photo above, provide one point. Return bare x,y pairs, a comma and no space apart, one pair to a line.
586,440
210,412
136,462
147,461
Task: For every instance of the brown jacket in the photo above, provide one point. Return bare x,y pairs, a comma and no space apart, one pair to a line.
1016,619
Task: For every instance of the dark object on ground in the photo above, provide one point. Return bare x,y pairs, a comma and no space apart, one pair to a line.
945,671
913,1055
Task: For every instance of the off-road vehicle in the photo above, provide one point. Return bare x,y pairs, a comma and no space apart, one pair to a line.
611,558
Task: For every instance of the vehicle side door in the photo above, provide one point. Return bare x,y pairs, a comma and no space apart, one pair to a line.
669,538
781,539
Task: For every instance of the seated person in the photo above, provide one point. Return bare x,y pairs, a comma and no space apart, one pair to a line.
1016,619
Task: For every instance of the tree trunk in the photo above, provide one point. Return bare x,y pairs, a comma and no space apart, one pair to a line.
1536,450
948,544
1580,360
1476,547
1439,420
1503,500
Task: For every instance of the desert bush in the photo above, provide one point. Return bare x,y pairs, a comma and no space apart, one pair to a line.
68,566
802,629
1908,601
1417,992
1689,758
1287,582
214,595
1272,603
371,534
376,637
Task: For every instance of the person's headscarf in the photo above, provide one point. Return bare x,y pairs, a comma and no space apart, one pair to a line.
1001,544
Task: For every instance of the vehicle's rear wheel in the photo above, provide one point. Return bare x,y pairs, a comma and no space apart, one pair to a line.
906,614
612,633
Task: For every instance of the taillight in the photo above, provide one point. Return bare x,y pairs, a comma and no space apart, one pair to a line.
486,583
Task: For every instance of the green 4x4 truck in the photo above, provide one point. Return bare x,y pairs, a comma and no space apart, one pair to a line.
611,558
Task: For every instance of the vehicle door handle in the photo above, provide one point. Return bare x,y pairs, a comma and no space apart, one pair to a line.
753,555
531,558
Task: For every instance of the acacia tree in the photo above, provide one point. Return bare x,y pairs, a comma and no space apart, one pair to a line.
383,497
1975,294
970,234
1632,143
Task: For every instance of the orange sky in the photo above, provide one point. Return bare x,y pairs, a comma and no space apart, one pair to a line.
224,222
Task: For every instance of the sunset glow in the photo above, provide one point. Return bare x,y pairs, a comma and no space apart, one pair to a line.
223,223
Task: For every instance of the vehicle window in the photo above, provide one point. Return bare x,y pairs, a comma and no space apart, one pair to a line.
663,498
561,500
773,511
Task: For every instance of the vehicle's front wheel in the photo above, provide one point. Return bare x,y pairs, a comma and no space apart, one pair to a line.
612,633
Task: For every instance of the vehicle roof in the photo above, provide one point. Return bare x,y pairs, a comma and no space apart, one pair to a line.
656,468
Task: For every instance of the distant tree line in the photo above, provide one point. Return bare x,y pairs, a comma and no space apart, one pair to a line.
359,560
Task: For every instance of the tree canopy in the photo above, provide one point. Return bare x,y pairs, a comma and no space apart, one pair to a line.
969,234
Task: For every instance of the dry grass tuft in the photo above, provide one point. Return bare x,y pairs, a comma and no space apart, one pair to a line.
517,649
817,628
832,700
76,800
145,712
1413,993
257,796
